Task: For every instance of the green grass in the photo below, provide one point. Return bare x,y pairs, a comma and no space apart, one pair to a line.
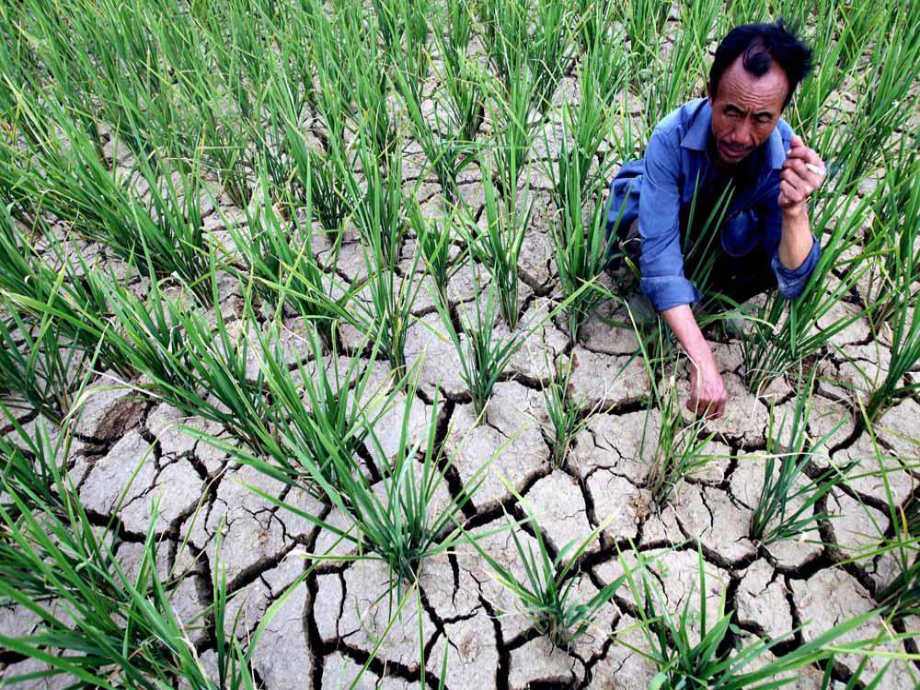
787,506
686,663
123,123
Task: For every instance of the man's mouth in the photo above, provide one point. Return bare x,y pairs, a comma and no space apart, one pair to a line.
733,152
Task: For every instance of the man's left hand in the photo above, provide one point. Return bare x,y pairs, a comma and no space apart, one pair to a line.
803,172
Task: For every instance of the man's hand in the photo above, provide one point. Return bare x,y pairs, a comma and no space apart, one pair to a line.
707,391
803,172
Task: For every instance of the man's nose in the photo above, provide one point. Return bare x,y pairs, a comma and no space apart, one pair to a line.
743,134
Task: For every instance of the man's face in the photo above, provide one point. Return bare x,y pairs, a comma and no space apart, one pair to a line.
746,109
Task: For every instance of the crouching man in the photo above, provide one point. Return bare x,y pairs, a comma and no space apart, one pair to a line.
732,146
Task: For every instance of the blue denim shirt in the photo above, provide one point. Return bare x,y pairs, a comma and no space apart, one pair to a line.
659,187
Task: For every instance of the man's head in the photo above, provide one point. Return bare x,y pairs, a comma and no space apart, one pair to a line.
755,72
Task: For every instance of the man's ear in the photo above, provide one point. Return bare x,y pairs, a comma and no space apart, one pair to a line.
709,91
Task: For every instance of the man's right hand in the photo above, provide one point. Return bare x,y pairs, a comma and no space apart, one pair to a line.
707,391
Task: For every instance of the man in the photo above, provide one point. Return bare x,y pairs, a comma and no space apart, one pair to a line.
731,146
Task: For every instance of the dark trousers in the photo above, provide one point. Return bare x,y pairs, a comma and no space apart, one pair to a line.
738,278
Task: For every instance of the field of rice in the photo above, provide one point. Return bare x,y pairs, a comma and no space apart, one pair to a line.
313,376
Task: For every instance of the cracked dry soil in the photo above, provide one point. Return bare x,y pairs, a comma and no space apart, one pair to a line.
332,624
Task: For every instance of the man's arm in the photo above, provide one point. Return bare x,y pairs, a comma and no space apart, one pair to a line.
707,390
663,280
802,174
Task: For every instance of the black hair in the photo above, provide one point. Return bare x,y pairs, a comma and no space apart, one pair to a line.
759,45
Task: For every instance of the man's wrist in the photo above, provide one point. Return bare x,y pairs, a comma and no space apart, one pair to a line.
795,211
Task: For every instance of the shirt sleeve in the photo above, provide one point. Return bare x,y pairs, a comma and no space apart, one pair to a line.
790,281
662,262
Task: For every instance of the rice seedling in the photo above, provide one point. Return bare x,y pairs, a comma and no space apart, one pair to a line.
379,210
668,85
883,101
444,148
78,313
42,371
66,178
98,626
396,522
528,43
195,365
320,411
498,245
837,46
582,251
900,597
601,78
643,22
708,663
433,237
680,446
516,126
567,415
548,594
899,228
278,257
785,508
460,76
775,344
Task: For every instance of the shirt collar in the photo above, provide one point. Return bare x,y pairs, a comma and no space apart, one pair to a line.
700,129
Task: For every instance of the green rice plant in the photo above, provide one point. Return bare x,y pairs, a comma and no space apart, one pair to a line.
378,214
776,344
498,245
56,298
699,255
278,257
643,22
320,412
515,123
433,237
592,23
549,48
397,524
601,77
898,296
191,358
669,85
367,68
884,103
582,250
505,32
899,598
683,663
679,450
566,413
785,508
548,594
837,47
483,354
745,12
392,301
447,153
459,74
66,178
98,626
41,372
406,35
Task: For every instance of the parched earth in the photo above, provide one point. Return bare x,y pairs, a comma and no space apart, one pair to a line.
332,623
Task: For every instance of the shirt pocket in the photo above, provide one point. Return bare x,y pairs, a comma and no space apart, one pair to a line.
740,233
